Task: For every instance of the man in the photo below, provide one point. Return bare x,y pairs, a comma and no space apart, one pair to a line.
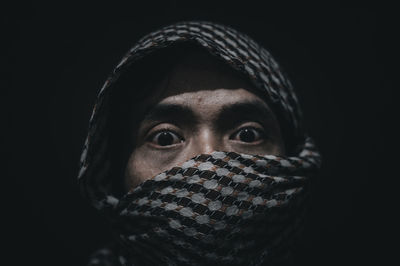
196,152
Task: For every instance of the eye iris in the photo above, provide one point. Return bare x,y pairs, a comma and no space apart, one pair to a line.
165,139
247,135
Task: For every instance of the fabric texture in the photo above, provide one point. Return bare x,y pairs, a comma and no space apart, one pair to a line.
219,208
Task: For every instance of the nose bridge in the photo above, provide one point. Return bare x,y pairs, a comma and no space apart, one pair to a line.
206,141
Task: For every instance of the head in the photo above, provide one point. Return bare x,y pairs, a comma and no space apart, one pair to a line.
196,150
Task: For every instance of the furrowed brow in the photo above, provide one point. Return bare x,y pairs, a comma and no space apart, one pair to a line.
170,112
247,110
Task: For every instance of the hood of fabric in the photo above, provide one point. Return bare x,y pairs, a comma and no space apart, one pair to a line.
248,58
236,49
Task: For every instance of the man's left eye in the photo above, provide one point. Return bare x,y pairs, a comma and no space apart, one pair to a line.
248,134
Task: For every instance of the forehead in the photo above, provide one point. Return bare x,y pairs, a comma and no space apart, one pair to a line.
205,101
197,77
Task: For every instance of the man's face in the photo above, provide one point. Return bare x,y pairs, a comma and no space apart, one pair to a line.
199,107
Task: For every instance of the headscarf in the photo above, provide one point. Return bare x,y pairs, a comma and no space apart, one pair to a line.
218,208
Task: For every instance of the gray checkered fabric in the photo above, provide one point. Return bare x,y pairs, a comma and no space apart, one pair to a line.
221,208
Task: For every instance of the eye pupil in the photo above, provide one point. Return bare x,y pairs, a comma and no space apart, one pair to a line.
165,138
247,135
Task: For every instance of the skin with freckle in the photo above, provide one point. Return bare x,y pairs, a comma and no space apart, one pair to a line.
204,86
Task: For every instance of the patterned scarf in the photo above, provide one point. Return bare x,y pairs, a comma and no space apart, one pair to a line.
219,208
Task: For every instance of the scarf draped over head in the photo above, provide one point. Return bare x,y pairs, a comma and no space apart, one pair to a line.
219,208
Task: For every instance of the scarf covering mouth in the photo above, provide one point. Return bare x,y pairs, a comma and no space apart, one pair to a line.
219,208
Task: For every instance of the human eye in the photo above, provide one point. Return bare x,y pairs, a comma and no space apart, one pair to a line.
165,137
249,134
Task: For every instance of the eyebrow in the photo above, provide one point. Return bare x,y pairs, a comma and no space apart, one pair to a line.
229,113
170,112
246,110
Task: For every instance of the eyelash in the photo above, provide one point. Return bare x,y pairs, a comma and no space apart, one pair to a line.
260,131
166,129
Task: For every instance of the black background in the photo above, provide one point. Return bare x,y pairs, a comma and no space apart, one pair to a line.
341,62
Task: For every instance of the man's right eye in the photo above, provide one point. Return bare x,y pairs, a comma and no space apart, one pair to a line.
165,138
